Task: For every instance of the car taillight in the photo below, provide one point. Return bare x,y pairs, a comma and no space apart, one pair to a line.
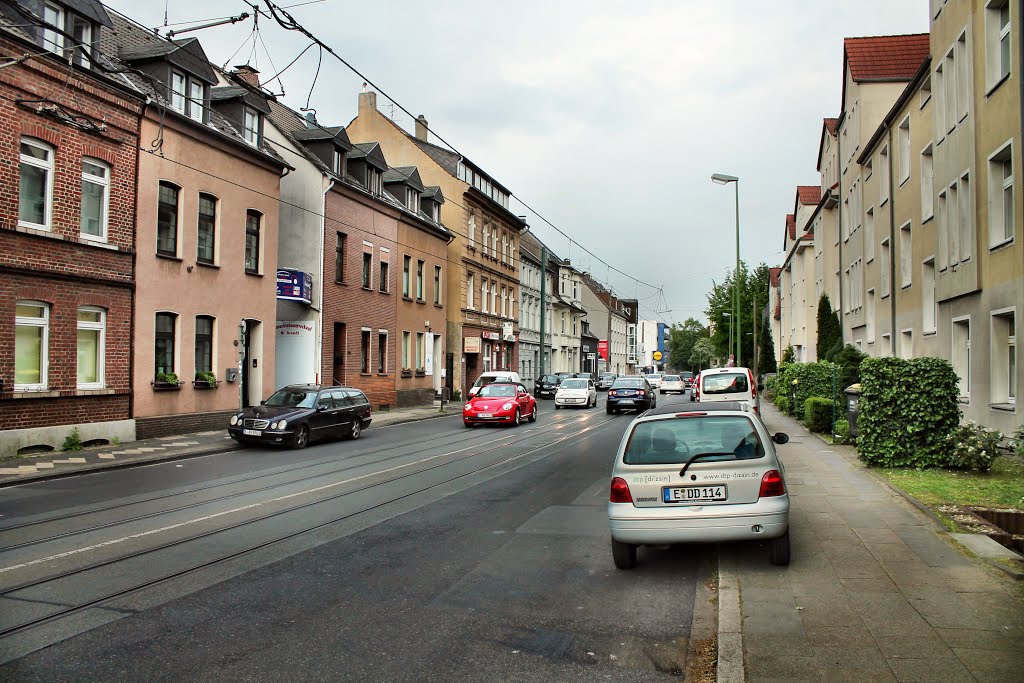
771,485
620,491
612,392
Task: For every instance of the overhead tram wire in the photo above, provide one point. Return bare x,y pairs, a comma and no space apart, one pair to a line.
288,22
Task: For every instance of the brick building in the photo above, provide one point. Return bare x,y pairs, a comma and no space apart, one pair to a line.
69,142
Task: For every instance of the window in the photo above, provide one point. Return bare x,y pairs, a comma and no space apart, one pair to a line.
940,102
91,347
883,175
252,242
167,221
178,91
906,255
486,238
997,41
35,188
337,163
941,230
927,187
903,139
164,343
195,100
204,343
412,199
339,257
419,280
963,90
406,265
207,229
1003,364
384,283
953,225
966,218
81,32
870,317
869,235
54,16
420,351
512,252
886,344
251,128
31,341
470,291
949,75
382,352
494,298
929,309
367,269
883,268
483,294
925,92
961,354
437,285
472,230
405,351
373,180
95,200
907,344
1000,197
364,351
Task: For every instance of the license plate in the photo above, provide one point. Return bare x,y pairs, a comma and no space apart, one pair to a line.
486,415
626,401
693,494
252,432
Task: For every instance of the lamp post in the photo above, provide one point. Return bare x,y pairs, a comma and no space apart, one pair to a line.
722,179
729,316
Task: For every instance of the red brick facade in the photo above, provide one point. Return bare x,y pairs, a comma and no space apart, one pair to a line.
56,267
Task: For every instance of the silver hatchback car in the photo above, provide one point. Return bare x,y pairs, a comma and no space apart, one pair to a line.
701,476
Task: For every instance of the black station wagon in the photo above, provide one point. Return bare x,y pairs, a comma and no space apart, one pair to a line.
298,414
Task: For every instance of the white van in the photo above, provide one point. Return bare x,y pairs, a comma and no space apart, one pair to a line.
727,384
491,377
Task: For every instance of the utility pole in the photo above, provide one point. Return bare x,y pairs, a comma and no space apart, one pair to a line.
543,304
755,338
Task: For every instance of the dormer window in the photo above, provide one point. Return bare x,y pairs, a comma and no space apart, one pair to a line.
373,179
178,91
412,199
251,131
53,15
196,98
81,30
338,162
434,212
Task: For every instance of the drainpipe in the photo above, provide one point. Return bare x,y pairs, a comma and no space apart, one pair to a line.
135,269
892,248
839,200
320,298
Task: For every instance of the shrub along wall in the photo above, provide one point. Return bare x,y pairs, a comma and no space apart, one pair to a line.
818,414
812,379
907,409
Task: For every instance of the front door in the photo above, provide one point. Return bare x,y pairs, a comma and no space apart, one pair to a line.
340,348
246,363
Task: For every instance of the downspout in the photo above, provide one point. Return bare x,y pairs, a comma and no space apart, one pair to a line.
892,248
320,298
135,267
839,204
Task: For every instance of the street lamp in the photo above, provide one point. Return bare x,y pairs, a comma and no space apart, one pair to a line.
729,316
722,179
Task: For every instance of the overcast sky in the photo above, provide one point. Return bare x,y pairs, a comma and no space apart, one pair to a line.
608,118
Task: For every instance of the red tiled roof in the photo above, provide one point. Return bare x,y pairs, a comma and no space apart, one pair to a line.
791,226
885,58
808,194
832,125
773,276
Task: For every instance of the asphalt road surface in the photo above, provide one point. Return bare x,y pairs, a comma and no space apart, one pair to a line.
422,551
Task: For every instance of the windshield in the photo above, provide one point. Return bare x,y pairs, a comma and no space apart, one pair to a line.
671,442
609,376
498,390
573,384
585,375
628,384
292,398
671,378
725,383
551,379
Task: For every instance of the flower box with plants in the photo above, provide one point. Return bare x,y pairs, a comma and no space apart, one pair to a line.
205,380
166,381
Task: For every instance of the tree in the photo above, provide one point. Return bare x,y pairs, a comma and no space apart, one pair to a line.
766,346
702,355
681,341
753,290
829,330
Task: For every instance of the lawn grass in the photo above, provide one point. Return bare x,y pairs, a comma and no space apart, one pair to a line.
1003,486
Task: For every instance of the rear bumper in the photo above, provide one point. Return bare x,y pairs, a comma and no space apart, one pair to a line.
637,404
629,524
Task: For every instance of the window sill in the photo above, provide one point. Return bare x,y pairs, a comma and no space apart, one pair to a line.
905,286
925,219
383,374
870,260
406,298
366,374
929,333
1004,407
367,288
384,291
421,373
438,305
903,181
163,386
99,391
207,265
926,101
884,201
995,86
204,386
406,374
964,400
168,257
253,273
999,245
341,282
33,393
421,301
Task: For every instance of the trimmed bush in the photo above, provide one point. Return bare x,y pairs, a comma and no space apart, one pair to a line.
841,431
784,404
818,414
974,447
907,409
812,379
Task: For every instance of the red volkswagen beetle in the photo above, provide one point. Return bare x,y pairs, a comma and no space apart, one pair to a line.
501,403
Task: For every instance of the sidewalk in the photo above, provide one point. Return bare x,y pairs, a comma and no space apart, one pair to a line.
63,464
876,590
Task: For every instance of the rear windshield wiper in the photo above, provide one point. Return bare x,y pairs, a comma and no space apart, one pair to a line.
682,472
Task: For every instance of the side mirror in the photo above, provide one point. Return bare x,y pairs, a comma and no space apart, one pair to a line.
263,403
760,387
780,438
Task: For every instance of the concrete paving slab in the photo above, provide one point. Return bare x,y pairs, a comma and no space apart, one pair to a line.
781,667
930,669
979,639
983,546
992,666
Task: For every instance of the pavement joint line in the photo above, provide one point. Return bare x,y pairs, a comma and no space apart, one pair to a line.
730,625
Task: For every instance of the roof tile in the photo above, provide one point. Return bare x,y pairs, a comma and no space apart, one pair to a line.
886,58
791,226
808,194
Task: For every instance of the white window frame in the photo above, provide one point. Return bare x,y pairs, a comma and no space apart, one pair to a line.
470,291
178,93
82,49
903,136
906,235
883,175
963,76
48,166
195,106
384,357
104,183
44,342
101,351
1000,373
52,40
869,235
927,182
966,217
251,133
995,71
929,300
885,268
471,230
998,233
965,379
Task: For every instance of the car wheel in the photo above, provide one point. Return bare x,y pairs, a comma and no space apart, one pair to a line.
533,413
557,406
624,555
357,429
608,409
662,393
516,419
301,438
467,425
778,550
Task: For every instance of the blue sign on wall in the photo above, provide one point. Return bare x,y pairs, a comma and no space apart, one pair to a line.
294,285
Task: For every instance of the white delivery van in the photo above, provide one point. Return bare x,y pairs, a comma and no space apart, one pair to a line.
500,376
728,384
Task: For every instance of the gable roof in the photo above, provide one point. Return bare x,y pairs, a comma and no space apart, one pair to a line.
829,127
370,151
885,58
808,194
335,134
407,175
186,53
832,126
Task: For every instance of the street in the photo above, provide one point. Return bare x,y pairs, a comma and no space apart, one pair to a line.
421,551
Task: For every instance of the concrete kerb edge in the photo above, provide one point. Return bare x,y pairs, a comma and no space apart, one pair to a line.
731,667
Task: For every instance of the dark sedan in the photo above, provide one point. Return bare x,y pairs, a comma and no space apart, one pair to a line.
298,414
546,386
630,393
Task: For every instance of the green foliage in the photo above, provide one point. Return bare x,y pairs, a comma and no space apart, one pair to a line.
907,409
167,378
1018,441
753,294
841,431
702,354
457,395
973,447
818,414
765,347
829,329
788,354
771,384
784,403
681,343
206,376
848,358
73,441
801,381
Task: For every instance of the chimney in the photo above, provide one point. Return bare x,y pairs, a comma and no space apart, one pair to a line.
421,127
248,74
367,102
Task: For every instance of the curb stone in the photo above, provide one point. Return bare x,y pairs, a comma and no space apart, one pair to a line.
730,626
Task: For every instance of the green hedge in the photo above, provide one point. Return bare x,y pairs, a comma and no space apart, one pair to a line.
818,414
907,409
812,379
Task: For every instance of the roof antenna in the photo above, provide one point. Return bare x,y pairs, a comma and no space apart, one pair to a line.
166,3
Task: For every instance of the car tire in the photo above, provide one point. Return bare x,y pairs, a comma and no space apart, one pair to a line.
778,550
533,414
557,406
516,419
467,425
355,430
623,554
301,438
609,410
662,393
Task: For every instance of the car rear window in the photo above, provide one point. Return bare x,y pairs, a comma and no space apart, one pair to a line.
671,378
725,383
628,384
674,441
